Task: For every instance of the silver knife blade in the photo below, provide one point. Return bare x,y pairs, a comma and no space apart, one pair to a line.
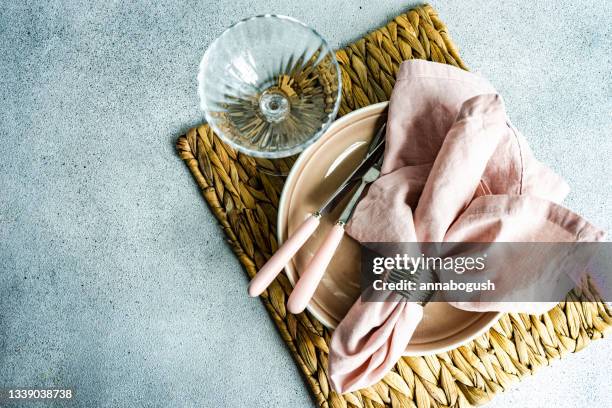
380,135
367,163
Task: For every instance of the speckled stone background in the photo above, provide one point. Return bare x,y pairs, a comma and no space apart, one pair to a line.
114,278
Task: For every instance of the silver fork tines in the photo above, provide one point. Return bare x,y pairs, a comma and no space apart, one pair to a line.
418,277
369,177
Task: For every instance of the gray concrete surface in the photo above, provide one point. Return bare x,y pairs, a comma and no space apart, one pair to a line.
114,278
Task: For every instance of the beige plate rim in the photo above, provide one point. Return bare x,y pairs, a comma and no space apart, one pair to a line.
315,309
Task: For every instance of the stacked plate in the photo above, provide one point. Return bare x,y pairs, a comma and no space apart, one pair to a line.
315,175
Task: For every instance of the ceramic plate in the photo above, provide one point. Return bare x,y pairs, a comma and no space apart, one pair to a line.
316,174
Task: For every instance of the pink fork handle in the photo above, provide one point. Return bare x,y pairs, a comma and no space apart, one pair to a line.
308,282
283,255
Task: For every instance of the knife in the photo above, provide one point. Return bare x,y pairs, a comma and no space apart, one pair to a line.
313,273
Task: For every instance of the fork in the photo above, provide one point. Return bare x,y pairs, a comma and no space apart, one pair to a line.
313,273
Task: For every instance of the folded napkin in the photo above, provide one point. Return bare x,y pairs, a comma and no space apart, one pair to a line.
455,170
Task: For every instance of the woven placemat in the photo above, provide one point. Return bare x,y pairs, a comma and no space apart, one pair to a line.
244,199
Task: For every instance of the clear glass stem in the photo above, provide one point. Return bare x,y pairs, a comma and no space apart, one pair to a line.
274,105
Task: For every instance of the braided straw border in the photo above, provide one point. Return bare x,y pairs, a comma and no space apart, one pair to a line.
245,202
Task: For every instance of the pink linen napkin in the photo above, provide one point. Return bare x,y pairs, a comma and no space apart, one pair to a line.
455,170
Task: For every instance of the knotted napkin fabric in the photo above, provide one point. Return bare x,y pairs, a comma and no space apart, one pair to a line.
455,170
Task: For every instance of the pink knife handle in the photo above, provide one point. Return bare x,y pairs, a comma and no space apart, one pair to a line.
308,282
283,255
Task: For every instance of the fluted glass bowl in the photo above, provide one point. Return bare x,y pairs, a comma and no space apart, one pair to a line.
269,86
